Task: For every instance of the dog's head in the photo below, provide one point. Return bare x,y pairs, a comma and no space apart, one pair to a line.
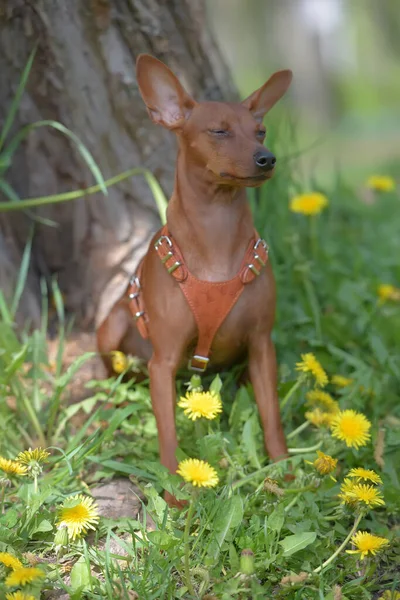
224,138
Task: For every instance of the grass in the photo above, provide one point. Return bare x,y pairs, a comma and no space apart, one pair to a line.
255,534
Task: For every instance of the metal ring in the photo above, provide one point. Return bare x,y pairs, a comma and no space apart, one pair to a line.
263,243
158,243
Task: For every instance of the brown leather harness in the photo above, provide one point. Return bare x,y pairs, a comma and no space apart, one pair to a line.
210,302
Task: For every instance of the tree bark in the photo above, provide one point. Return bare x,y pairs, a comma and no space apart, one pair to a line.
84,77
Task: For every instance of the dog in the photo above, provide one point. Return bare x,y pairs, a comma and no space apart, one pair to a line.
203,296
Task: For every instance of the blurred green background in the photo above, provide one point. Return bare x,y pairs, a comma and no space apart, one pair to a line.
345,55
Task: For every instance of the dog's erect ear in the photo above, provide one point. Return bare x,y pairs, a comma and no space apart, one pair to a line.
167,102
263,99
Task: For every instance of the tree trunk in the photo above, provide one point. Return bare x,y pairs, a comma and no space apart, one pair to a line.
84,77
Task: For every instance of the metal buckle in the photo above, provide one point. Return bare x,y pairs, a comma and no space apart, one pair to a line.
263,243
257,257
138,315
160,240
134,280
200,359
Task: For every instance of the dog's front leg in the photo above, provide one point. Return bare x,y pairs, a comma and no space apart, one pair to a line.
163,397
263,375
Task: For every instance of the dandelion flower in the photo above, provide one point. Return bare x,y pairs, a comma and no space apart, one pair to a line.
368,494
323,399
365,474
388,595
201,404
198,472
37,455
381,183
320,418
361,493
341,381
309,364
325,464
12,467
367,543
33,460
9,560
19,596
78,514
308,204
119,361
24,575
346,492
387,291
352,428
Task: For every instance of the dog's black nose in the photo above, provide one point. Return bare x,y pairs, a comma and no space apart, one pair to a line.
265,160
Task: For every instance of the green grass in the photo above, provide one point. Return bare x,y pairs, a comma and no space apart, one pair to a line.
327,273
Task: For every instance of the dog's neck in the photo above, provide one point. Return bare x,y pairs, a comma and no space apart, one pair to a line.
211,223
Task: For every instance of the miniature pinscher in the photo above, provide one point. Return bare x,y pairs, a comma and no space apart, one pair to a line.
204,294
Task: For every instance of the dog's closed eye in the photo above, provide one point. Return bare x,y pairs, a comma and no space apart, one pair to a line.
219,132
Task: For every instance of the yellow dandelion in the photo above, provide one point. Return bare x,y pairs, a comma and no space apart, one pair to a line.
381,183
341,381
197,472
12,467
320,418
37,455
388,595
77,515
346,492
325,464
361,493
309,204
367,543
365,474
352,428
19,596
201,404
9,560
387,291
323,399
119,361
24,575
309,364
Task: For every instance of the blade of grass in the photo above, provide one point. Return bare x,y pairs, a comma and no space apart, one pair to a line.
120,467
5,313
74,195
17,98
22,275
13,197
83,151
118,417
158,195
44,309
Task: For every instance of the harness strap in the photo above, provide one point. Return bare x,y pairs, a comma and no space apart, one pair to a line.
210,302
136,305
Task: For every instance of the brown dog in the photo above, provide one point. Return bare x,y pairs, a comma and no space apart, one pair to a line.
205,281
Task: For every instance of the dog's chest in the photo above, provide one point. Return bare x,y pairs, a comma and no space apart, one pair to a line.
252,315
